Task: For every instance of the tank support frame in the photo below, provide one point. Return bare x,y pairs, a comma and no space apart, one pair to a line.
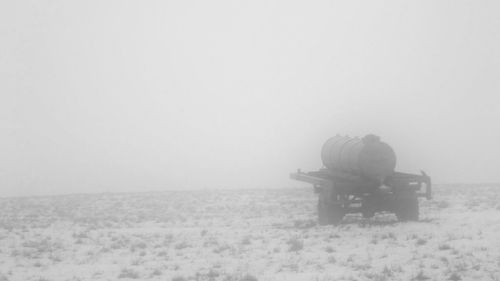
342,193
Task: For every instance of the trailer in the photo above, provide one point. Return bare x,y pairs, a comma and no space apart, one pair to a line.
359,177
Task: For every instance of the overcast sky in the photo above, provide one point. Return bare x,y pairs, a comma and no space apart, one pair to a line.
149,95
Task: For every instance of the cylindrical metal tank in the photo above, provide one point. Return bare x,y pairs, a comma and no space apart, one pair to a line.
368,157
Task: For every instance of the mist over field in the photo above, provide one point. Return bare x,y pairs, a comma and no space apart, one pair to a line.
158,140
129,96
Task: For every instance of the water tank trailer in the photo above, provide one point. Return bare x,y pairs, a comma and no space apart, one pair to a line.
359,176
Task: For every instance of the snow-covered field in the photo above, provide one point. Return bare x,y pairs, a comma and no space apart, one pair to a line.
245,235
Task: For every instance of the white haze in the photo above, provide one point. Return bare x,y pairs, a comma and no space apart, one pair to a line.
116,96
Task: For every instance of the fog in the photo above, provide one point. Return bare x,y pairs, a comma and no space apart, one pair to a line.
111,96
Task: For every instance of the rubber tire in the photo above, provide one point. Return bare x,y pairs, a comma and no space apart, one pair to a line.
329,213
407,207
369,207
367,214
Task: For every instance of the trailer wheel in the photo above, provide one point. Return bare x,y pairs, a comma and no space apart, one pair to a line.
367,214
369,206
406,207
329,213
